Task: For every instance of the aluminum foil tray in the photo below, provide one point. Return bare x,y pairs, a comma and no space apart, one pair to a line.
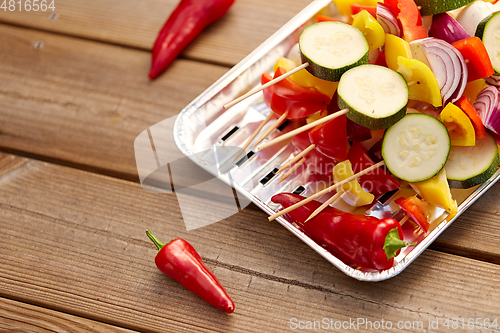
204,124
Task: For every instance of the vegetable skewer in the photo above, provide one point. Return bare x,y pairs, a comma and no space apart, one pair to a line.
296,158
266,85
272,128
301,129
254,134
292,169
327,190
334,198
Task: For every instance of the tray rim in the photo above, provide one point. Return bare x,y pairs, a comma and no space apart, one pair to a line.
286,30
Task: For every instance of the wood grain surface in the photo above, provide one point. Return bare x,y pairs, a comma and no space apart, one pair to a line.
74,257
74,242
83,103
21,317
247,24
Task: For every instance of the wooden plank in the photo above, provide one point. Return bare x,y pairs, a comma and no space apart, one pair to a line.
74,241
83,103
475,234
21,317
247,24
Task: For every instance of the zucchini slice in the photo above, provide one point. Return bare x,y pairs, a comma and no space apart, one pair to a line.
489,32
471,166
416,148
431,7
332,48
376,96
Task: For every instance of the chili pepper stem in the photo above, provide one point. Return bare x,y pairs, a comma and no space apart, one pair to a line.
393,243
155,240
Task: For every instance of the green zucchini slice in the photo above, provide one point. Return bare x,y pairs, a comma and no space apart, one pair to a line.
376,96
431,7
416,148
332,48
489,32
471,166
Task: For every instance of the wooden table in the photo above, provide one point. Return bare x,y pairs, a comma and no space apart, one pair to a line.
74,94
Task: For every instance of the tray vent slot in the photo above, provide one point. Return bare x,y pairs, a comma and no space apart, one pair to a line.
269,176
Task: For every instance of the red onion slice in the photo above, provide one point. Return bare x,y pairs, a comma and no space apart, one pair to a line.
494,80
387,20
447,64
447,28
487,108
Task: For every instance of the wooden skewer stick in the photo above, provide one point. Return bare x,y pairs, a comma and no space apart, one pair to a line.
301,129
324,205
272,128
292,169
296,158
254,134
326,190
264,86
412,83
403,220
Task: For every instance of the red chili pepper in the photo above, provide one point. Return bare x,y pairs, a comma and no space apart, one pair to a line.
364,241
356,8
476,57
464,104
180,261
290,96
185,23
409,17
416,210
378,181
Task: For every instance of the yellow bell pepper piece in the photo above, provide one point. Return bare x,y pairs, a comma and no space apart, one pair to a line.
473,88
306,79
373,31
422,83
316,116
353,194
459,126
344,6
395,47
436,191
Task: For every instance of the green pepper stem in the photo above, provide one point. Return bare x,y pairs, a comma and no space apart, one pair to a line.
155,240
393,243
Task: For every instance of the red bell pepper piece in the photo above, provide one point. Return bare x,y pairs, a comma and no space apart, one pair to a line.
180,261
290,96
185,23
381,60
317,163
409,17
330,138
356,8
378,181
476,57
364,241
416,210
466,106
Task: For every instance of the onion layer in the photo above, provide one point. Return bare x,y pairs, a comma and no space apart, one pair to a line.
487,108
447,64
447,28
387,20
